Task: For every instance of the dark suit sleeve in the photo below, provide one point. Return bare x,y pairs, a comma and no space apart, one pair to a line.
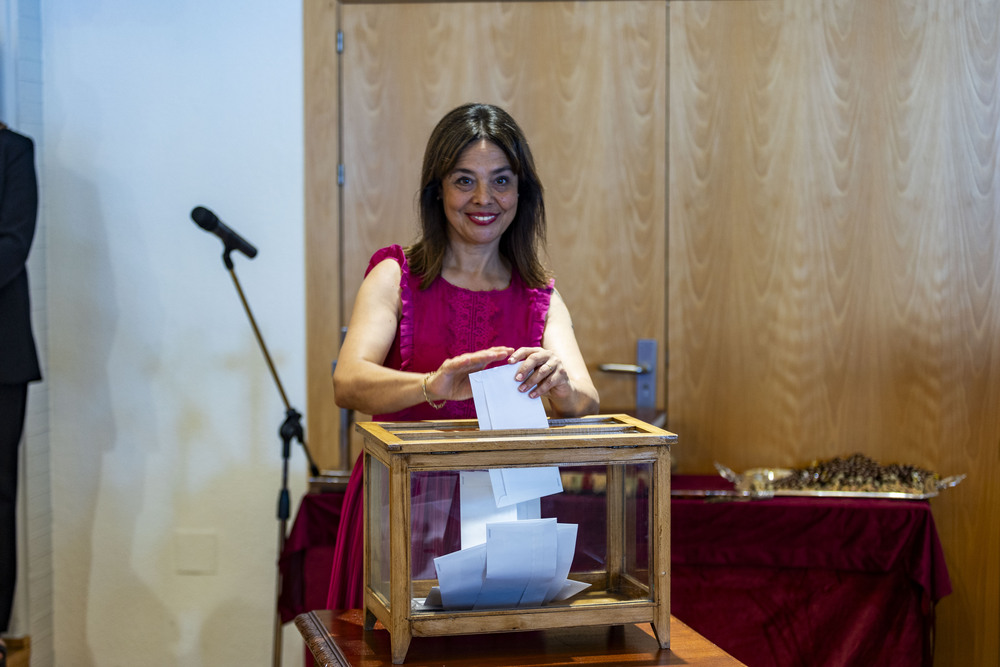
18,203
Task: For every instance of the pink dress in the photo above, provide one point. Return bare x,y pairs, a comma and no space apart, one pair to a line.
437,323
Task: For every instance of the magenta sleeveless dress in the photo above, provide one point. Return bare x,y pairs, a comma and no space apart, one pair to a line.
437,323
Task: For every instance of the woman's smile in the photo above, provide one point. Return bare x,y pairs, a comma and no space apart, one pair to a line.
483,218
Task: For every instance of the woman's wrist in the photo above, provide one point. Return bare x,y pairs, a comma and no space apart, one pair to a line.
437,405
576,402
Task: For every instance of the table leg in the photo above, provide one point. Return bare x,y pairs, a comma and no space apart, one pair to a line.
400,645
399,548
660,564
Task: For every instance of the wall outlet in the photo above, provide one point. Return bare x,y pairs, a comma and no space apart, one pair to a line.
196,552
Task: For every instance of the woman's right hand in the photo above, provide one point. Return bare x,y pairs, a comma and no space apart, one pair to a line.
451,380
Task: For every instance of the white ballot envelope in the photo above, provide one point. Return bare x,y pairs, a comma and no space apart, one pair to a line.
516,485
478,506
520,562
559,587
500,405
460,576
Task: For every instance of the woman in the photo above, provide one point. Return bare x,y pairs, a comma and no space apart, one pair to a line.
471,293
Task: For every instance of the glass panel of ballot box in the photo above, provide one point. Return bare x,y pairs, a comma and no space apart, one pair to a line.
470,531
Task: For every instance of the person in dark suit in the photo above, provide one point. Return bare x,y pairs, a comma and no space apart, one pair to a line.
18,355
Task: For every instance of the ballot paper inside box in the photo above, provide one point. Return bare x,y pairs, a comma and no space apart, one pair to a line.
470,531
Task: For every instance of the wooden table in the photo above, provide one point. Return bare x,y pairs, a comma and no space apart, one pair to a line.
338,639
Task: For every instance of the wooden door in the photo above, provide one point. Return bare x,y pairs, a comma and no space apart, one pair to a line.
588,84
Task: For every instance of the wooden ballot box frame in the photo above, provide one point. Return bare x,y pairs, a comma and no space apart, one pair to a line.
608,441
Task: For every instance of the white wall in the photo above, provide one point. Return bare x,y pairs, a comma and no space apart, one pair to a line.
164,416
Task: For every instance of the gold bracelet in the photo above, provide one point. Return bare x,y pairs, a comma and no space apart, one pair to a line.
439,404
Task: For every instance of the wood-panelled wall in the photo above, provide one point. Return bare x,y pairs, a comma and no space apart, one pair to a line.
834,251
834,263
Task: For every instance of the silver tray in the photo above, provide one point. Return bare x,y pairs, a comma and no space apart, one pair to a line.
756,484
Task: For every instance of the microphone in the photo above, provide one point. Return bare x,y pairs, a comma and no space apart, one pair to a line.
211,223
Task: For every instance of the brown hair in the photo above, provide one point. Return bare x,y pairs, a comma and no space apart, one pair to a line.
521,242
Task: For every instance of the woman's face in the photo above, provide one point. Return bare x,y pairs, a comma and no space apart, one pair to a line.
479,195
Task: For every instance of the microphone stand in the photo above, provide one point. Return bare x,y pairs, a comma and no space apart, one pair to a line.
291,428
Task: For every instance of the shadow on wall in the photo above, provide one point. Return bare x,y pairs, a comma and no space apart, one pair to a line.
97,478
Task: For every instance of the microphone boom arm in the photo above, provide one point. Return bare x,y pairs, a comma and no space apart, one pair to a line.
291,428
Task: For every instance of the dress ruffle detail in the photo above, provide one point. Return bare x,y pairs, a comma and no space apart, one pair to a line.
539,309
406,301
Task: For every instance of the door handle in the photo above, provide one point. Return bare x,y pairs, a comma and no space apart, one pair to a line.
633,369
644,371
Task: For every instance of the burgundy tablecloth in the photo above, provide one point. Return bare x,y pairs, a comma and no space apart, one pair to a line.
858,535
808,581
307,558
782,582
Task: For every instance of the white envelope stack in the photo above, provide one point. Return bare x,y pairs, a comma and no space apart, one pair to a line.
510,557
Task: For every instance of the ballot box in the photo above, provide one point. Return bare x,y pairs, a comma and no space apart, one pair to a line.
459,537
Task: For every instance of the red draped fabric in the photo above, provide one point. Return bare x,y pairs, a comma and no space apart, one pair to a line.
808,581
308,554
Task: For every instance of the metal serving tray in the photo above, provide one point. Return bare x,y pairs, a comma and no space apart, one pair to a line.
755,484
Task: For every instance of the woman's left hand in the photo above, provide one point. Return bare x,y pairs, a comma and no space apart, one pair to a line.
541,372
